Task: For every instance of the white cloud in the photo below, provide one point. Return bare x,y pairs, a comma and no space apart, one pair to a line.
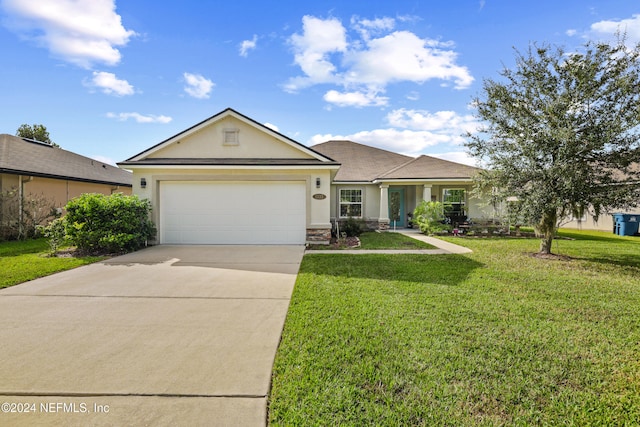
372,58
367,26
403,56
629,27
441,121
197,85
110,84
571,32
458,157
355,99
272,127
248,45
139,117
80,32
104,159
409,142
413,132
312,48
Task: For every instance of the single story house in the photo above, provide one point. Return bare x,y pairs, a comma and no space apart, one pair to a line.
232,180
32,168
383,187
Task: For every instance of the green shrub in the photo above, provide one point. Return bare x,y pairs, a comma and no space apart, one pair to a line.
352,227
429,217
96,223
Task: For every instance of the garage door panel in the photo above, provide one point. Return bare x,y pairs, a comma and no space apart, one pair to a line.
232,213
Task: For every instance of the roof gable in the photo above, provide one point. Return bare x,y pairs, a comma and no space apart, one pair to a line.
209,140
26,157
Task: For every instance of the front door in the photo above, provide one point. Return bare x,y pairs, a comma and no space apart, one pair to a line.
396,207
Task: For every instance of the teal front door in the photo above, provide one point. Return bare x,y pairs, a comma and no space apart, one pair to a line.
396,207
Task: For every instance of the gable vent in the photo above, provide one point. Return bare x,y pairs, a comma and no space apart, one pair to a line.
230,136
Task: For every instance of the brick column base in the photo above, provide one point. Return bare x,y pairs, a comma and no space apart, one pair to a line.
319,236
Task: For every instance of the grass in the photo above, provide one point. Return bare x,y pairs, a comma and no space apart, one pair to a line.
496,337
373,240
388,240
21,261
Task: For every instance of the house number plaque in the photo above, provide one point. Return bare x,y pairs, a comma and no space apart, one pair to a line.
319,196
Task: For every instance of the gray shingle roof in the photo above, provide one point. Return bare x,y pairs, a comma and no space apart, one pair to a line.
427,167
362,163
26,157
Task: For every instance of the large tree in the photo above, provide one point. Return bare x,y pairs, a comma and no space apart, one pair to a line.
35,132
560,134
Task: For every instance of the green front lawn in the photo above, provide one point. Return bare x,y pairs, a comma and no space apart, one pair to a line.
21,261
384,240
495,337
389,240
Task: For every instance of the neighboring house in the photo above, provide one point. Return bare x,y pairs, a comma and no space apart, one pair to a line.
232,180
605,222
383,188
35,169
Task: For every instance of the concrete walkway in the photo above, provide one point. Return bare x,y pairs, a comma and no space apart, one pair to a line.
170,335
442,247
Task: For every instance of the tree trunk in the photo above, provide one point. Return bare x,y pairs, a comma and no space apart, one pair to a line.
546,230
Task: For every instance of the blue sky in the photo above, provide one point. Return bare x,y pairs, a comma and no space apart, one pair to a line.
111,78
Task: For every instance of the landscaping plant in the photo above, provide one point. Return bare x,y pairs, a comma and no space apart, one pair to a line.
55,234
96,223
430,216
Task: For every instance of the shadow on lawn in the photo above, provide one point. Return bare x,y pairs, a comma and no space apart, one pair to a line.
448,270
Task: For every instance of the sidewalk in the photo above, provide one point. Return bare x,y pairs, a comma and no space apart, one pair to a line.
443,248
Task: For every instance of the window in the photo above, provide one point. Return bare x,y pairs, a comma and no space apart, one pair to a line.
350,203
455,198
230,136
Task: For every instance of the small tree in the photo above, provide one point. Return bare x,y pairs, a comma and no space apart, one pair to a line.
20,215
55,234
96,223
35,132
561,134
430,216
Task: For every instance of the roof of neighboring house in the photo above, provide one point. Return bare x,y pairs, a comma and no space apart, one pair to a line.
21,156
362,163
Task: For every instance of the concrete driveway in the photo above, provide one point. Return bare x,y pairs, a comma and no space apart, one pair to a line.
170,335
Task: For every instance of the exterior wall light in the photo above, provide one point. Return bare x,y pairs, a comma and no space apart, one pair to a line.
317,182
143,182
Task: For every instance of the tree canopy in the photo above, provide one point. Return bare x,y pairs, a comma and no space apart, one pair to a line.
36,132
561,134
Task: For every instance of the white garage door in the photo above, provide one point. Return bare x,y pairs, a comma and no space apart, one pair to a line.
205,212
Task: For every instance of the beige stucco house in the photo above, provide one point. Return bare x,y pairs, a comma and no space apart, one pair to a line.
232,180
34,170
383,188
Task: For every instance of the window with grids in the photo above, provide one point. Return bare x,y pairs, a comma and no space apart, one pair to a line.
350,203
455,199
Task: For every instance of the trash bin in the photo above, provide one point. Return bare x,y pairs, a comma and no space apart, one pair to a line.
626,224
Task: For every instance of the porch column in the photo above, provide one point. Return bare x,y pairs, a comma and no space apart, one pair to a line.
426,192
383,218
